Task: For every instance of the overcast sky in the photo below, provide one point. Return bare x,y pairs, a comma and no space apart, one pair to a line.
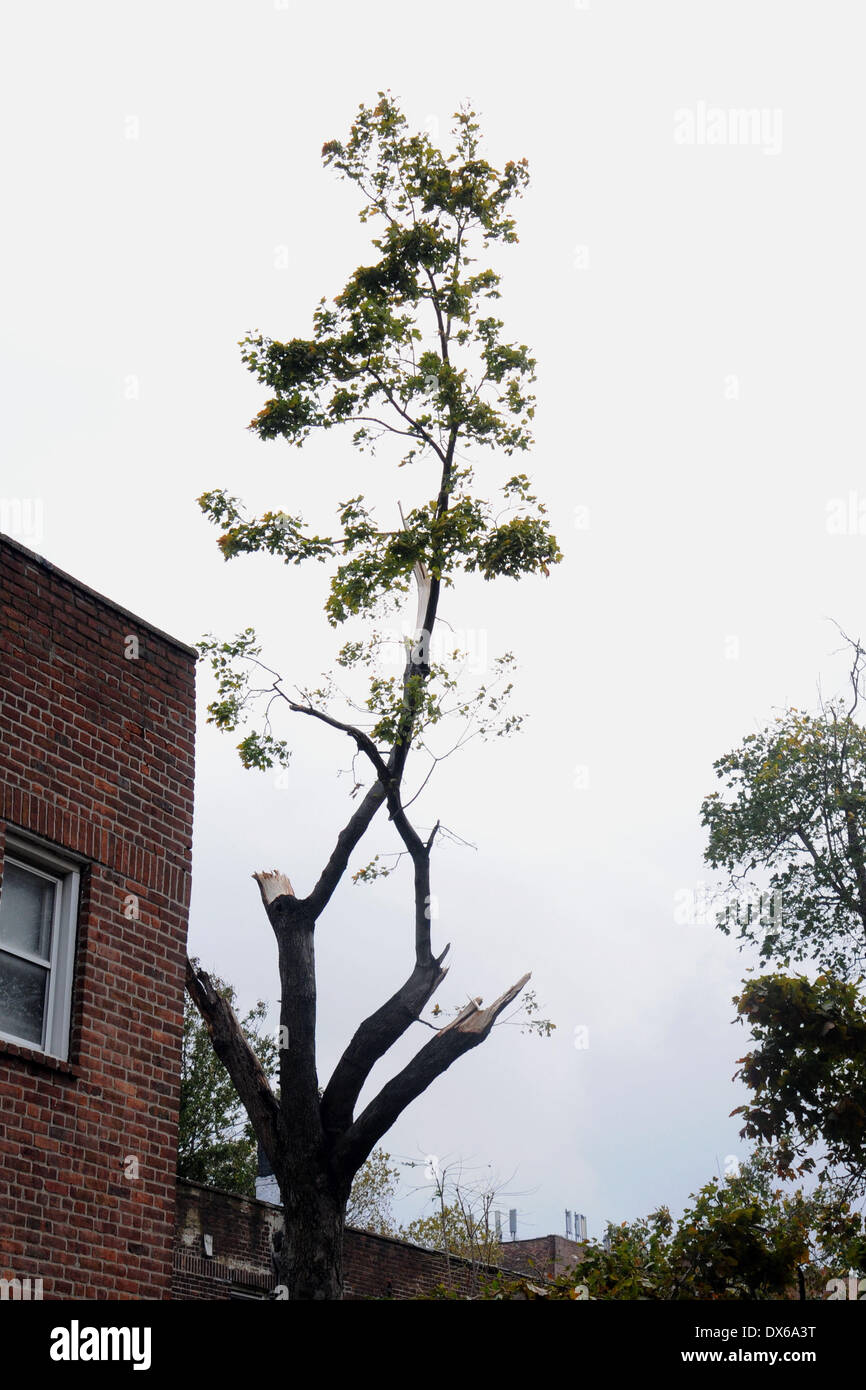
691,281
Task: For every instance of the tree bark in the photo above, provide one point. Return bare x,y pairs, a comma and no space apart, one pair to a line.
373,1038
308,1252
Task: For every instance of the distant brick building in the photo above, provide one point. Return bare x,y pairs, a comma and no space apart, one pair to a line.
96,798
543,1256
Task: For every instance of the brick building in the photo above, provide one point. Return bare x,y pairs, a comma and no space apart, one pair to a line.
96,800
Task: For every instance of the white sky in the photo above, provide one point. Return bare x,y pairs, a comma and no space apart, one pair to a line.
696,310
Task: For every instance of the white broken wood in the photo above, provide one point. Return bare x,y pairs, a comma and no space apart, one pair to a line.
273,885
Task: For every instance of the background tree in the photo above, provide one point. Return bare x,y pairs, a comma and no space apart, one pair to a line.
408,353
216,1143
795,810
370,1204
742,1238
807,1073
462,1222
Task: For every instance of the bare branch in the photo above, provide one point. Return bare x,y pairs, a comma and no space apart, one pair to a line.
466,1031
347,839
364,742
418,431
239,1060
420,854
373,1038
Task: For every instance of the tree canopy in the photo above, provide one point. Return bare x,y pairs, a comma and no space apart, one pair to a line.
794,809
807,1073
407,351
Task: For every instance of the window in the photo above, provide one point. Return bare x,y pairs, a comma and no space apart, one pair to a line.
38,919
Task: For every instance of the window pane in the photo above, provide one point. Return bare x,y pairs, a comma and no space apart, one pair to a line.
26,911
22,997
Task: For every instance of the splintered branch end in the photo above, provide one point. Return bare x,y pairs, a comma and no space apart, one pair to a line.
474,1019
273,885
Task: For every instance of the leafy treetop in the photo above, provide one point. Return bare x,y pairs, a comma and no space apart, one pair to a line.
409,350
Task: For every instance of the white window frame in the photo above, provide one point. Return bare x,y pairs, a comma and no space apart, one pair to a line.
40,859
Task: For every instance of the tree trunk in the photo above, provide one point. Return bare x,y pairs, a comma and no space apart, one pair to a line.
308,1253
312,1138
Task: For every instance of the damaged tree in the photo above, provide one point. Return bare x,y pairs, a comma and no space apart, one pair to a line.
404,353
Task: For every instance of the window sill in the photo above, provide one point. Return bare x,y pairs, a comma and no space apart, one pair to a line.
38,1059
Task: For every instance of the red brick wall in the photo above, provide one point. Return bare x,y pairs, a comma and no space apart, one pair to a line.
241,1233
373,1266
543,1255
380,1267
96,757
